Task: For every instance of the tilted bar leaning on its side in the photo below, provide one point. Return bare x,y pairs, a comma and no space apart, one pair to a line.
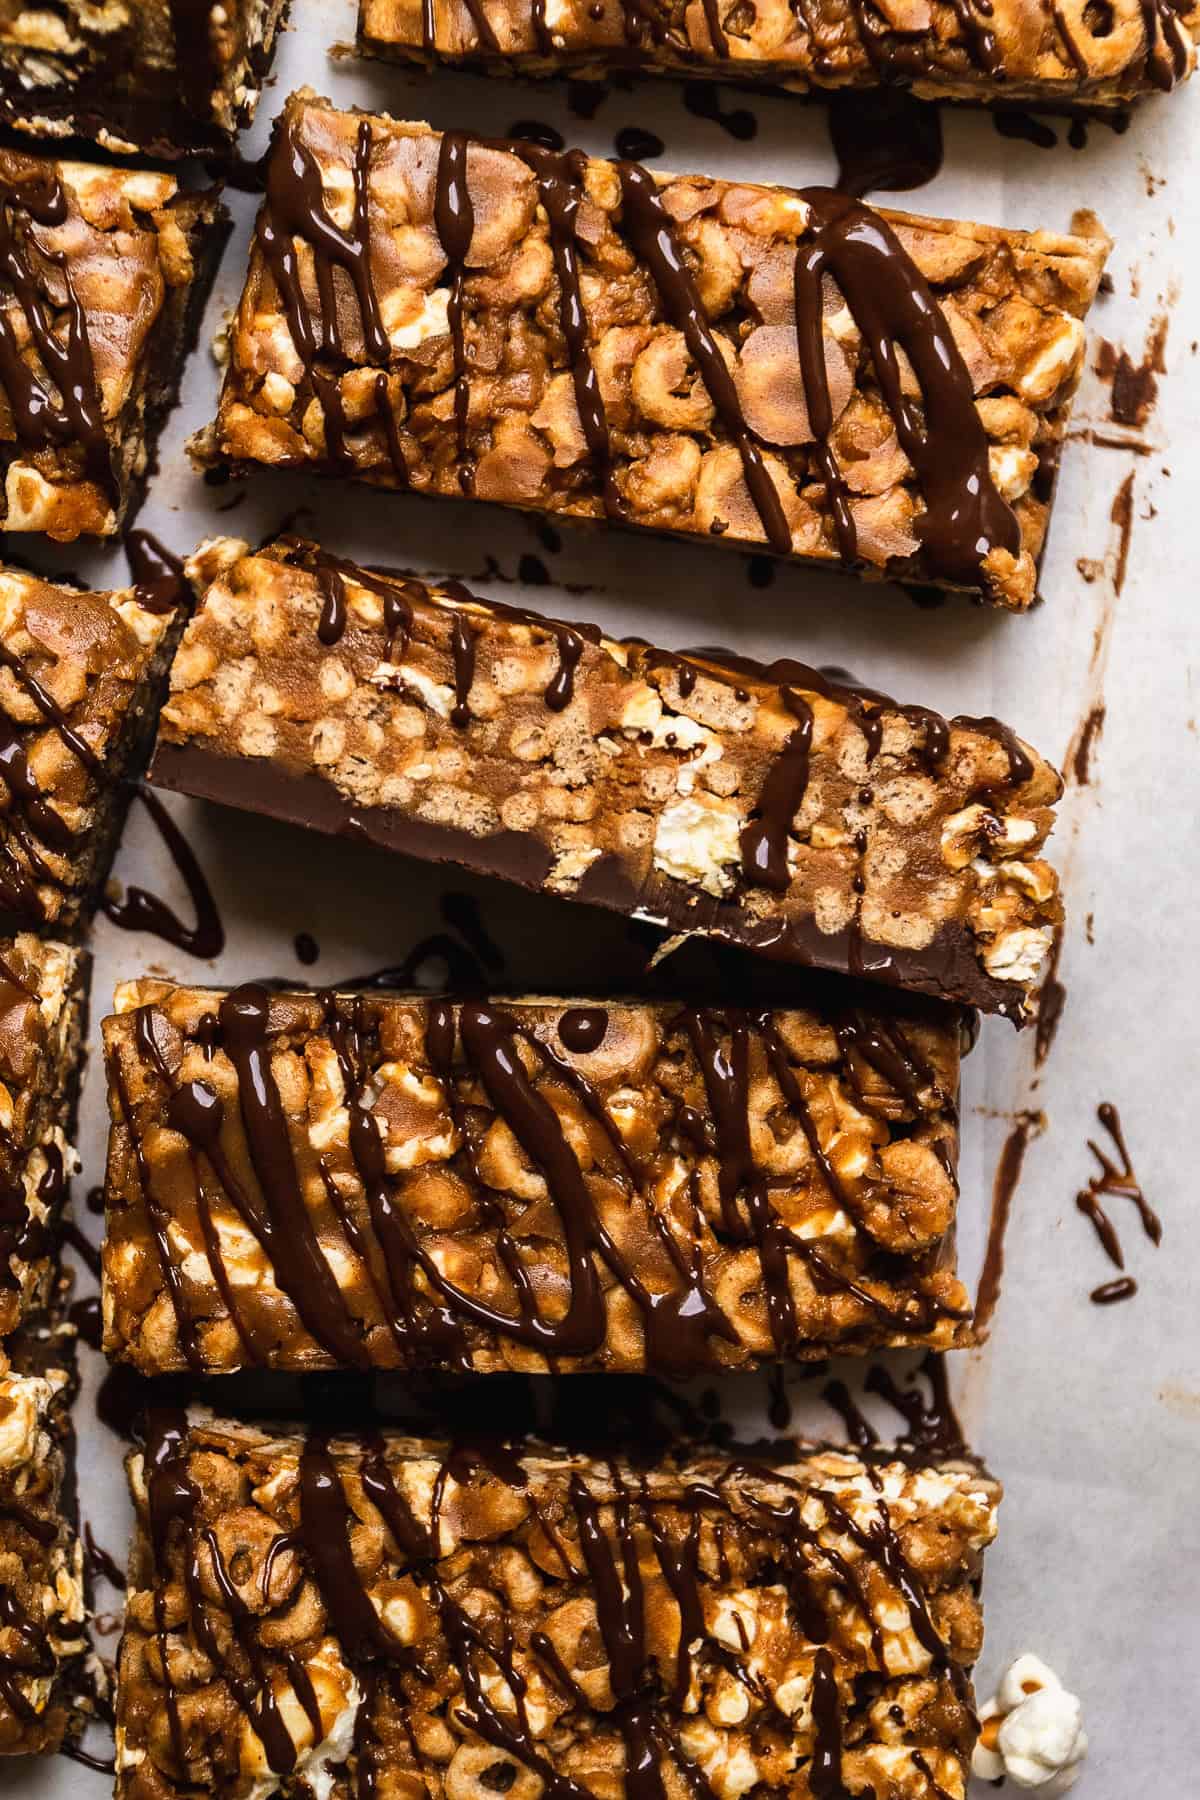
1066,55
103,275
81,679
389,1615
376,1180
43,1627
587,340
42,1007
773,808
169,77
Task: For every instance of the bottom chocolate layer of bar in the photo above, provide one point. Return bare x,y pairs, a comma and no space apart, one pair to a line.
391,1616
947,968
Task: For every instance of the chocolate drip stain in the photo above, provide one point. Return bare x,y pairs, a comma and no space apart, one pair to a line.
635,144
1014,122
891,141
160,584
1121,515
1078,761
1025,1128
99,1563
703,100
139,910
1052,998
1134,386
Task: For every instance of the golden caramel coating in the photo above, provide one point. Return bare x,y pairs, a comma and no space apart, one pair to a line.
896,844
41,1026
432,1621
368,342
526,1185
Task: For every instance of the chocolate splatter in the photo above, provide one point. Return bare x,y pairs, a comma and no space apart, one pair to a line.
533,131
1117,1179
703,100
84,1315
1026,1126
1134,386
1013,122
635,142
306,947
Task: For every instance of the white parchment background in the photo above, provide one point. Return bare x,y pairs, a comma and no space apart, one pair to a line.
1090,1416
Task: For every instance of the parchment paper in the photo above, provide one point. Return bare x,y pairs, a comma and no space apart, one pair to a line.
1090,1415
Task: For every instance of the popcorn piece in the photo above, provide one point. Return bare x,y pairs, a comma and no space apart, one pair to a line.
1032,1730
532,1618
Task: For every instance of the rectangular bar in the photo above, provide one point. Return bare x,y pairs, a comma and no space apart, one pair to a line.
43,1634
444,1620
655,350
81,679
105,275
807,819
1069,58
543,1185
167,77
42,1015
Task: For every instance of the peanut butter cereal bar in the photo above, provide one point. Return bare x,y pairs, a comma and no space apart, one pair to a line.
42,988
103,273
166,76
1078,55
81,676
42,1601
393,1616
758,365
376,1180
807,819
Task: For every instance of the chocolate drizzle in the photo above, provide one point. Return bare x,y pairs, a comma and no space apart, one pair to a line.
893,306
454,216
652,232
63,406
139,910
